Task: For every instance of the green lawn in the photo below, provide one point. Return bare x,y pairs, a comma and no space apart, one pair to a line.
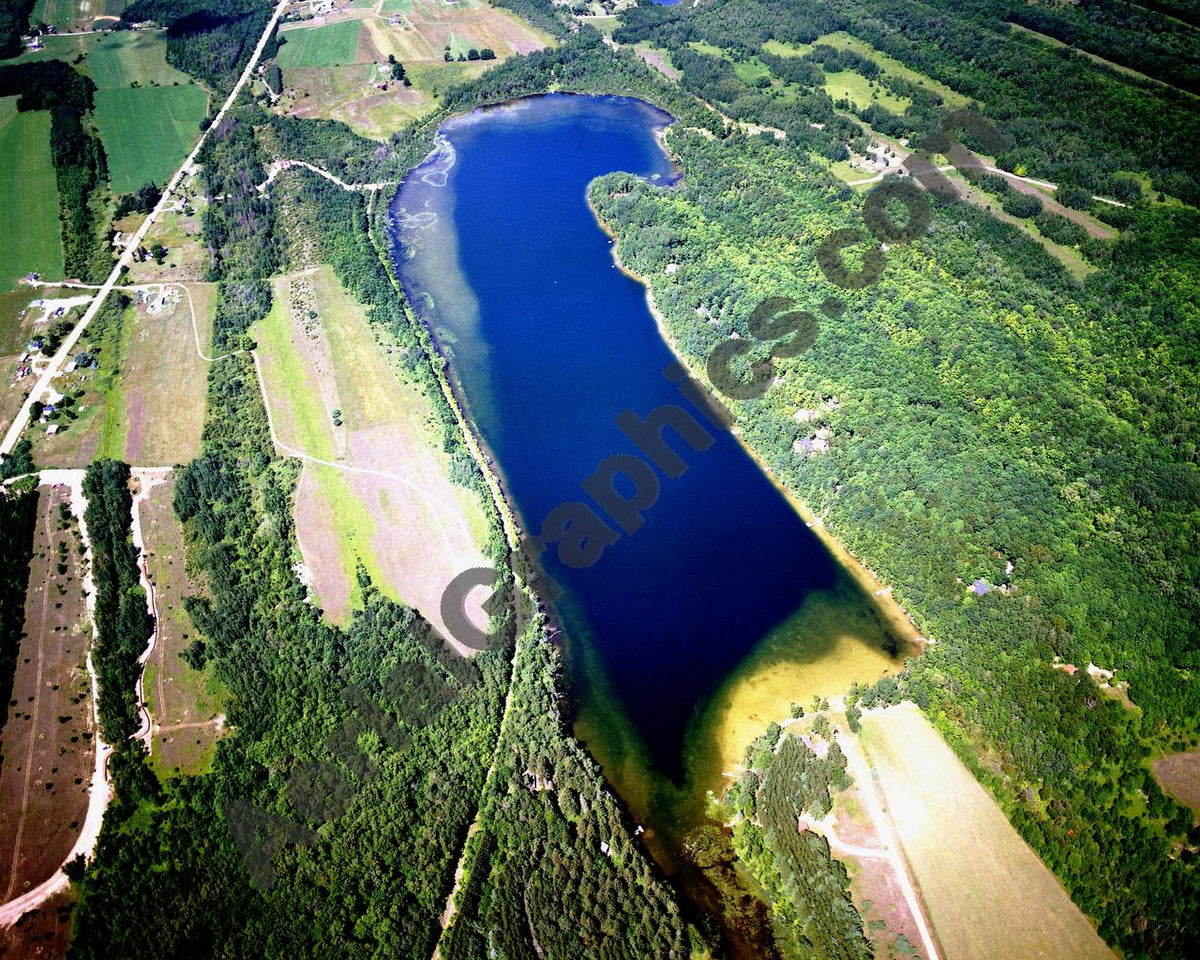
890,65
28,199
114,59
148,131
330,46
121,59
861,92
397,6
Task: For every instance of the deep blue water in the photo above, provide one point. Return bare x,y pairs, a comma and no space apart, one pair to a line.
550,342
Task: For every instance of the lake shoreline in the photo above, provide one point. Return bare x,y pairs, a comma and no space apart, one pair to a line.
898,619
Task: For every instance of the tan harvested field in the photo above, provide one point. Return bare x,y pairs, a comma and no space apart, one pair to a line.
145,402
48,740
185,704
1179,776
164,379
383,497
987,893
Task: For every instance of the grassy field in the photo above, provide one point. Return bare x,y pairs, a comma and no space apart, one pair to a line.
184,703
163,382
145,403
125,58
348,90
409,527
28,199
1179,776
890,65
147,131
860,91
114,60
987,893
328,46
61,13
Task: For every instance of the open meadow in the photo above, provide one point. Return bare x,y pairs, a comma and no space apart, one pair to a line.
987,893
185,704
77,14
340,70
332,45
147,131
28,196
383,497
144,403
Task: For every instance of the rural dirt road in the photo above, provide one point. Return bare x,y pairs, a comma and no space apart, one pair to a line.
99,793
860,770
21,420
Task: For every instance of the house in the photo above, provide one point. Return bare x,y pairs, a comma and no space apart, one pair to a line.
52,430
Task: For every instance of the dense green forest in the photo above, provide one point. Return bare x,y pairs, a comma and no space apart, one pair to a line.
210,40
123,624
989,411
14,21
783,780
1070,121
80,166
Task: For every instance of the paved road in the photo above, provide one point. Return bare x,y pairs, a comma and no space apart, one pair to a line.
68,345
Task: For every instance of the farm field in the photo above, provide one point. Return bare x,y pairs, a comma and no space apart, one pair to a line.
335,44
47,742
152,413
122,59
114,60
339,71
28,197
411,529
185,704
147,131
987,892
853,86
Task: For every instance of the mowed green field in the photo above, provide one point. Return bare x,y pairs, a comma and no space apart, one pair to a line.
121,59
115,59
330,46
28,198
147,131
986,891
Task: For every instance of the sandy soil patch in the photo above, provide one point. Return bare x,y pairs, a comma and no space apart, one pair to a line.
42,933
47,742
658,60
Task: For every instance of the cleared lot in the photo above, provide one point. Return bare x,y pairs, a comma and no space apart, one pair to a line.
987,893
47,742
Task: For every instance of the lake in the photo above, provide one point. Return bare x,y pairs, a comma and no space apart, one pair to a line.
690,634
